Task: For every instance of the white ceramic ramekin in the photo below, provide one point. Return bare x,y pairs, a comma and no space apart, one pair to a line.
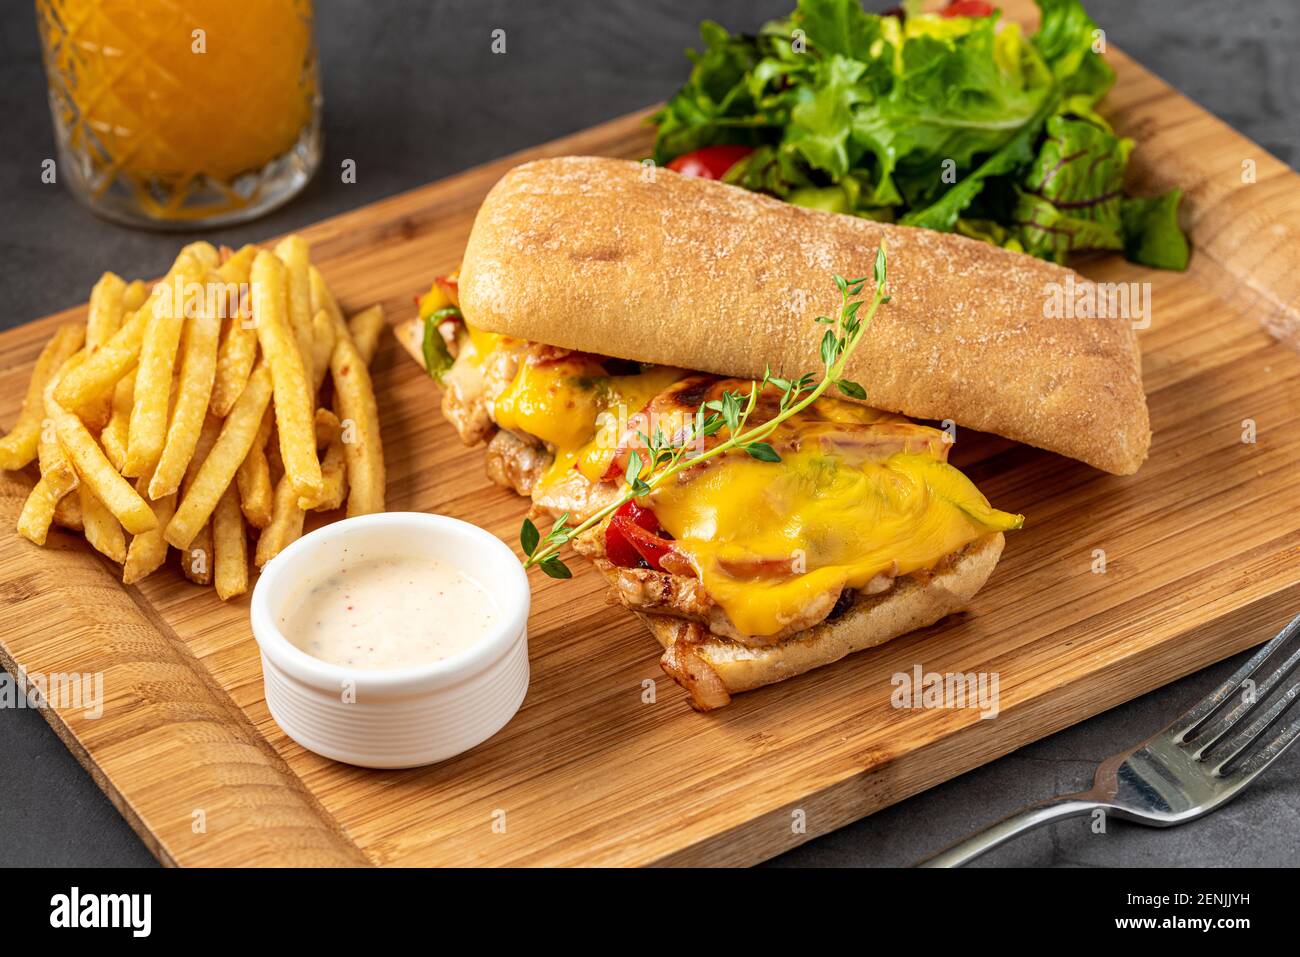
395,718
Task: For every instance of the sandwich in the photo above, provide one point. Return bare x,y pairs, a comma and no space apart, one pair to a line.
639,352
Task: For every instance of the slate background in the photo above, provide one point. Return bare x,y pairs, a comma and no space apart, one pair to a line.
412,94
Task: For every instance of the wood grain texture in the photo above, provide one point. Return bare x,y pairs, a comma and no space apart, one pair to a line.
200,773
1202,548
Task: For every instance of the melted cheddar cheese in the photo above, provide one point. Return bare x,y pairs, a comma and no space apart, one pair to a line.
857,493
573,406
771,539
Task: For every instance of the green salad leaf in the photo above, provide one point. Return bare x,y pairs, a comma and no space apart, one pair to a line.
1069,198
1151,233
950,123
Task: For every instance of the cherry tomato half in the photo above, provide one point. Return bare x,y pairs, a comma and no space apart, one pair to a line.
968,8
712,162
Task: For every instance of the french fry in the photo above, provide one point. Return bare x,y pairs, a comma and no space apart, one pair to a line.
113,437
104,313
358,412
215,419
238,348
55,467
102,529
99,525
333,466
38,512
204,253
194,388
327,427
197,561
254,478
208,433
135,295
18,447
218,469
153,379
58,477
109,363
67,514
322,298
286,524
315,334
116,356
148,550
294,405
103,319
366,327
334,476
322,345
96,471
292,252
230,546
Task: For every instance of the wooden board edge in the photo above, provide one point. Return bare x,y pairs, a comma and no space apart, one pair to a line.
157,701
87,761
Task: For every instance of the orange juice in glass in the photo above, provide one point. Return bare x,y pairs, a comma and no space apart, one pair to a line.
182,113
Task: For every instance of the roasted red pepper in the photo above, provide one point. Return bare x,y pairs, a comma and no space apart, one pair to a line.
451,286
634,538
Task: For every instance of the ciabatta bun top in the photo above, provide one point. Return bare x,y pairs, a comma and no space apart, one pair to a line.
611,257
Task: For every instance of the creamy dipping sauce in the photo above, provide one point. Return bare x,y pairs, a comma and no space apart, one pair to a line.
392,612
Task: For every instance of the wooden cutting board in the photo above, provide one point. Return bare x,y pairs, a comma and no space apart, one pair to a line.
1202,550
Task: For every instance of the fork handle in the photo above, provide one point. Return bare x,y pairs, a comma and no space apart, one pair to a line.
1055,809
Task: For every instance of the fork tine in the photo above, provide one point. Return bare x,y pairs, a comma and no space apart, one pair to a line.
1192,721
1223,725
1261,757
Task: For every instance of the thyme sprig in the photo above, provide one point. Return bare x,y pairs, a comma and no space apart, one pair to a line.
666,455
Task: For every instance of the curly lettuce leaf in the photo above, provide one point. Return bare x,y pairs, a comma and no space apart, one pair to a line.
822,116
1069,199
1152,236
1065,37
951,123
714,106
954,102
839,27
989,231
944,213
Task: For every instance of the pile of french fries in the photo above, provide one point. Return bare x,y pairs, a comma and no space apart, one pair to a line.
186,422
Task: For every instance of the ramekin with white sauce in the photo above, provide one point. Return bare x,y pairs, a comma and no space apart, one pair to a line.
393,640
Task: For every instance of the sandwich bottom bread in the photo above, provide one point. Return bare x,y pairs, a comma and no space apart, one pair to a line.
747,569
712,669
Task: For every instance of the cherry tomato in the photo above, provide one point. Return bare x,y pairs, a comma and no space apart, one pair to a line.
712,162
968,8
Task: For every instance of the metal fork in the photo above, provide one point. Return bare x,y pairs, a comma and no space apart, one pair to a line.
1198,763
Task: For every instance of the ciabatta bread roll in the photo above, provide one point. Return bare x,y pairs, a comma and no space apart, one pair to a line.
611,257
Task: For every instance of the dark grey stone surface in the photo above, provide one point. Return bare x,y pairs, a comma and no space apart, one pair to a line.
412,94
